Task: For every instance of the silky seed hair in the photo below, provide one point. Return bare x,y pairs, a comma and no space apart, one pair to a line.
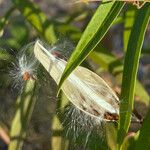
63,48
24,67
77,123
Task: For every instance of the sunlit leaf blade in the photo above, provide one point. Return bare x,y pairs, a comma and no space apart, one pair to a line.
24,108
130,70
105,59
111,135
144,137
128,24
95,31
37,19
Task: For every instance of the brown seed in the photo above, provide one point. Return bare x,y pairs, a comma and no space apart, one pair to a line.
26,76
111,117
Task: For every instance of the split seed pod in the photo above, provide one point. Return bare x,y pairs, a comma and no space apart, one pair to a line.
85,89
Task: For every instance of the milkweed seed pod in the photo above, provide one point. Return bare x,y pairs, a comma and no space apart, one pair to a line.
85,89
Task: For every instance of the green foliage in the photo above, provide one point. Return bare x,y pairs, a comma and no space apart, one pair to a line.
37,19
129,17
4,19
4,55
108,61
130,70
29,24
24,109
144,136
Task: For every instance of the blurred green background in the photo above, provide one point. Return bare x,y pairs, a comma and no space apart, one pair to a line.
56,22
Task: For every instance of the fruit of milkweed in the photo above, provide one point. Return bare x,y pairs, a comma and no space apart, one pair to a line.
87,91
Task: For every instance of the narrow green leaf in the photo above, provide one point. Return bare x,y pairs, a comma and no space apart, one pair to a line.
93,34
37,19
143,141
111,135
25,104
130,70
128,24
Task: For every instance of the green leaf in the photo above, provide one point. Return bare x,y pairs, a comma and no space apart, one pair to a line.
111,135
104,16
128,24
143,141
130,70
25,104
37,19
105,59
